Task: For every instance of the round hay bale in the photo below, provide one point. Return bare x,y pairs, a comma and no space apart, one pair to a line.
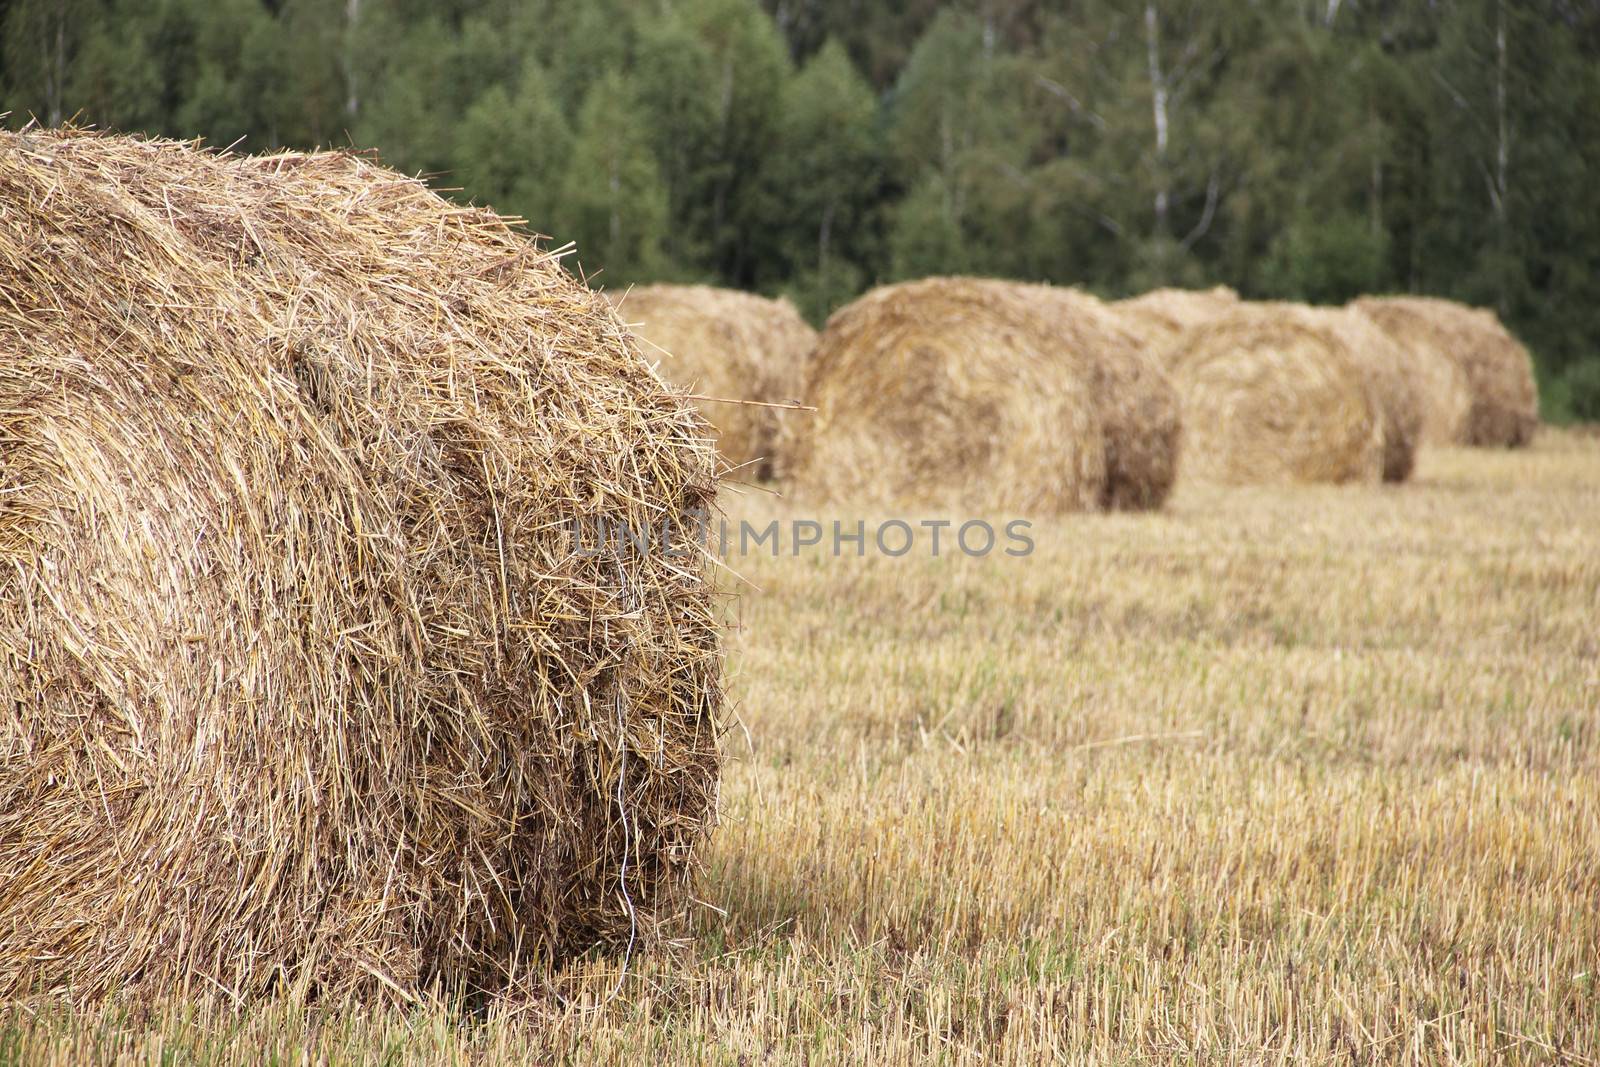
1444,394
306,682
950,392
727,346
1138,406
1397,389
1160,317
1476,380
1271,393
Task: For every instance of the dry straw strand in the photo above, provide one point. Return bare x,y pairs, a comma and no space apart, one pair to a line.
745,354
304,681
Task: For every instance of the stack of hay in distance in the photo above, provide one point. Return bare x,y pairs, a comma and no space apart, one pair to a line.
1477,380
1140,421
1162,317
743,354
1435,372
984,394
1289,393
303,682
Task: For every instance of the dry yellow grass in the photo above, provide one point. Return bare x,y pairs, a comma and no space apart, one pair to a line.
1275,776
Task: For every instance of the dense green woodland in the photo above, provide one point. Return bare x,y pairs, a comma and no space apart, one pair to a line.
1307,149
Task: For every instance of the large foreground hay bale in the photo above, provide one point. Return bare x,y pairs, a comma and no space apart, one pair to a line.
742,353
1272,393
304,682
1475,378
1161,317
951,392
1139,410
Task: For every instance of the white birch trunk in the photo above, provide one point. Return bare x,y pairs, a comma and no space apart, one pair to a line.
1502,148
352,99
1158,104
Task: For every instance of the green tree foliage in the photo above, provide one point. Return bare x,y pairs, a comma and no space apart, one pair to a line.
1303,149
675,73
41,55
614,203
960,138
878,37
119,76
237,91
1582,383
712,76
1513,135
511,150
822,187
1149,131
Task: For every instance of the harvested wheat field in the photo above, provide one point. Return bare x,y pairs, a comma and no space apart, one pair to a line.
952,392
1475,378
304,689
744,355
1275,393
1161,317
1305,775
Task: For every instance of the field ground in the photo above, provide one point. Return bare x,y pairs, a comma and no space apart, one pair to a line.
1278,775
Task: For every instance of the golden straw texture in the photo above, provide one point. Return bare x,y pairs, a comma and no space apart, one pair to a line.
950,392
1139,411
1272,393
1386,368
304,681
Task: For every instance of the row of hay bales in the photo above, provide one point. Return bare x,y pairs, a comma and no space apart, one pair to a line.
1283,392
979,392
303,684
1034,397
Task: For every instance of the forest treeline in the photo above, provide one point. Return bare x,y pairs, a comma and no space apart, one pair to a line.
1303,149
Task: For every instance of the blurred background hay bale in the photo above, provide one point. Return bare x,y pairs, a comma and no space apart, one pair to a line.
951,392
1160,317
1139,411
1397,388
1492,399
1444,394
1272,394
304,681
727,346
